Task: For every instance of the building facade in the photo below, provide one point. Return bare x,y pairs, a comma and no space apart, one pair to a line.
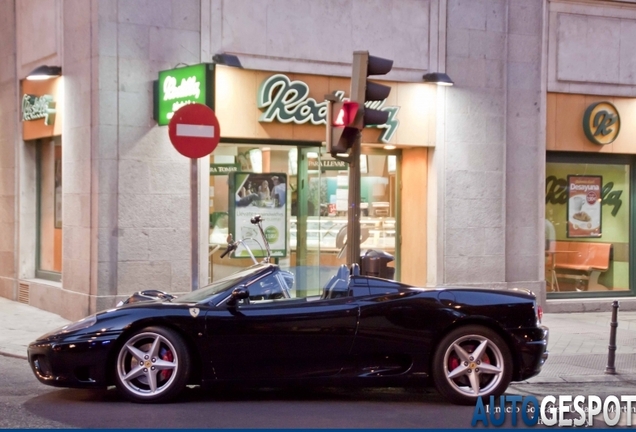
478,184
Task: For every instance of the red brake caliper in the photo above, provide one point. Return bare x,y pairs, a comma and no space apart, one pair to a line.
167,356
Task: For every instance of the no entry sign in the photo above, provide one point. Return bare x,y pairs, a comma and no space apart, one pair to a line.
194,130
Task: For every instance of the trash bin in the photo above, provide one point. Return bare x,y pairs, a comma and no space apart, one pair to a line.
375,263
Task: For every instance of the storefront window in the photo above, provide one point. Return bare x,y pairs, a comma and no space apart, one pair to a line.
316,205
587,226
49,203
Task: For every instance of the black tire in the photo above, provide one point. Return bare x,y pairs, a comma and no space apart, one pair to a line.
462,377
152,365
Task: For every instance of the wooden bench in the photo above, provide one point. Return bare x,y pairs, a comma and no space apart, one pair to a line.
583,261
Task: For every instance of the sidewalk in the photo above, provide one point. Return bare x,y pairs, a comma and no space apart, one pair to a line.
21,324
578,348
578,342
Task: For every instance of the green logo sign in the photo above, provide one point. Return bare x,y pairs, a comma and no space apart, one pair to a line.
271,234
601,123
179,87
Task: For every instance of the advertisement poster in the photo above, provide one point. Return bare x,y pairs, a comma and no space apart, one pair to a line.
254,194
584,206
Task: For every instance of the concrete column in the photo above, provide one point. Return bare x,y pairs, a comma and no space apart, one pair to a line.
8,140
488,160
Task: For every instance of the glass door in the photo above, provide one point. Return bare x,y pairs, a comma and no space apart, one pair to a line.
305,244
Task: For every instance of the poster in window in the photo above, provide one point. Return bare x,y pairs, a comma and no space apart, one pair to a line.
584,206
58,193
254,194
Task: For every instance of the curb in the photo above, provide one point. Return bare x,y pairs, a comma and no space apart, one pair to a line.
581,379
18,356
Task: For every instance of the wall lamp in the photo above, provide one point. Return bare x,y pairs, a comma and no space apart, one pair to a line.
438,78
227,60
44,72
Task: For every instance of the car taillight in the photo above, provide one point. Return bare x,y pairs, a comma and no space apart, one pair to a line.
539,310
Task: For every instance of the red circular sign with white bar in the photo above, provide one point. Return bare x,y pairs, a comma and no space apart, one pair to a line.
194,130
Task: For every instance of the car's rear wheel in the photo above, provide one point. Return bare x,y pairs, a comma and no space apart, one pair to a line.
472,362
152,365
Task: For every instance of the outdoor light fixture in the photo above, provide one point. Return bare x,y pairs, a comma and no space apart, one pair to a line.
44,72
438,78
227,60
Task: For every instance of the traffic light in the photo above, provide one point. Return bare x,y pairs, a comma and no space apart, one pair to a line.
363,91
347,119
341,135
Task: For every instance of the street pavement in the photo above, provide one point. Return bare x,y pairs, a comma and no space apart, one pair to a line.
578,342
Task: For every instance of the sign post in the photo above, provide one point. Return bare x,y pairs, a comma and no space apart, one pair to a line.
194,132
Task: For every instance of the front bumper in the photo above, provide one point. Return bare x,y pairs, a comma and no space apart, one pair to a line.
81,364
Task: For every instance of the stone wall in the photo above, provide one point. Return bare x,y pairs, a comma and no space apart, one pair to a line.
8,167
494,144
142,195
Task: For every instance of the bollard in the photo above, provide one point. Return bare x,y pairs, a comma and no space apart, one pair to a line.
611,355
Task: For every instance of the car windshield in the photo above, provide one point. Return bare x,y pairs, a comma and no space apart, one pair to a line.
219,286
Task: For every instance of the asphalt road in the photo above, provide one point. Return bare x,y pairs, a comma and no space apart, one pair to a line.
25,403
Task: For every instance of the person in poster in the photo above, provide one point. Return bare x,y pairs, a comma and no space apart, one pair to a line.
264,195
279,192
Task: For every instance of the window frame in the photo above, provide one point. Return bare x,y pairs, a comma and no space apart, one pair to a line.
602,159
39,273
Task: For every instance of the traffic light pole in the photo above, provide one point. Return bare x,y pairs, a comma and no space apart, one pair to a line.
353,222
358,88
347,136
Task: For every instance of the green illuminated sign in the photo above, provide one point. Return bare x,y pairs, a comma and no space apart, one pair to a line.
178,87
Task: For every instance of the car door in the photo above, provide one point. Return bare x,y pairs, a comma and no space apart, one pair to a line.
280,338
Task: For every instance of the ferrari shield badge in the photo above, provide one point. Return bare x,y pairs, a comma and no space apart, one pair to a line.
194,312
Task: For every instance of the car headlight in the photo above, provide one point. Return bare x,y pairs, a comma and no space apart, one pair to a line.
79,325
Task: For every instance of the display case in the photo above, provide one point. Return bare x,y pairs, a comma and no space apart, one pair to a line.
328,233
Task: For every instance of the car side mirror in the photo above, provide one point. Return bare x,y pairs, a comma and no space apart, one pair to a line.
239,293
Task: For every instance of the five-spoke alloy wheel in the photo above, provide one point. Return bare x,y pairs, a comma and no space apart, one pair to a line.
152,365
472,362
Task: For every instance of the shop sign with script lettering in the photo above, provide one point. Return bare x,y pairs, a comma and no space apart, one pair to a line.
38,107
287,101
181,86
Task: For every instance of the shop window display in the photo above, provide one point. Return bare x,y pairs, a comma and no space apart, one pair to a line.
315,205
587,227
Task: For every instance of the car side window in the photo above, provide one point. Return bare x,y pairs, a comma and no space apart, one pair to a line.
266,289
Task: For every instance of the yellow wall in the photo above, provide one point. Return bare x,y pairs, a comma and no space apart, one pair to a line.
564,130
34,129
236,108
413,218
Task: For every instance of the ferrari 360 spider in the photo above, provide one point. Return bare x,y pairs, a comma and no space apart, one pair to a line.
252,328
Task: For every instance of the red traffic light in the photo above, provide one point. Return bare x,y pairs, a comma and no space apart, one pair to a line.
344,114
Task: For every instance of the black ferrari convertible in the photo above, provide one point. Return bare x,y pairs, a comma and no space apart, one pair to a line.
251,328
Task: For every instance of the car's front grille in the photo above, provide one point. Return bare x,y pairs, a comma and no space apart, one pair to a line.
84,374
42,366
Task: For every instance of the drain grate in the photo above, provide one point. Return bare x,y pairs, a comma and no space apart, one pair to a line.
23,293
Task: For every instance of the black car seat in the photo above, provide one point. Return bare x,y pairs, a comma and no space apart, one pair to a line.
338,285
355,269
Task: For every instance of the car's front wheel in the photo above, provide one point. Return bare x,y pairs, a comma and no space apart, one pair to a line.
152,365
471,362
